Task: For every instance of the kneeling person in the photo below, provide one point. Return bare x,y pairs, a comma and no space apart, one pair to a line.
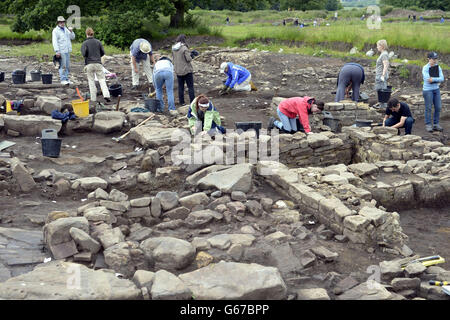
288,111
204,117
398,115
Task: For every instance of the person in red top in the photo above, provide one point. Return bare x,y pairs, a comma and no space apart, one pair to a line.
288,111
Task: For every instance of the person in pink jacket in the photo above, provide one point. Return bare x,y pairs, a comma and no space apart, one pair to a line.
292,108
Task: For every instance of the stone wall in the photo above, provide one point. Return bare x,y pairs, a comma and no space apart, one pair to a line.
347,112
344,208
417,104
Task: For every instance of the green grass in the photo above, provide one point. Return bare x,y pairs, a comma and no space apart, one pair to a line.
6,33
40,49
426,37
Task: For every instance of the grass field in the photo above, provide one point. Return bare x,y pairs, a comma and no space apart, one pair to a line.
258,28
426,36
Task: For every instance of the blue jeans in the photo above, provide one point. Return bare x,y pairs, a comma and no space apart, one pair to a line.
159,79
432,97
286,123
64,69
408,123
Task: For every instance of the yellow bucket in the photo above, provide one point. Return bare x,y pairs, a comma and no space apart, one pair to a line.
8,106
80,108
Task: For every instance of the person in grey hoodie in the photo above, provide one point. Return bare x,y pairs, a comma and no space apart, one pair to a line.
182,58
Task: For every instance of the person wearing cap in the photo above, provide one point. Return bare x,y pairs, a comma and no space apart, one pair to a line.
61,40
141,53
163,75
239,78
92,51
398,115
351,76
432,77
182,58
204,117
288,111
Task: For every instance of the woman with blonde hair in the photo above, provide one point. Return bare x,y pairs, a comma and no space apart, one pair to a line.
382,67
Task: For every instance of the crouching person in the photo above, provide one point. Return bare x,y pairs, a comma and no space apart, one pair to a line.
204,117
398,115
288,111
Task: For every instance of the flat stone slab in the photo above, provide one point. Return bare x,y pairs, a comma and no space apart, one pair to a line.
68,281
31,125
20,247
154,137
231,280
237,178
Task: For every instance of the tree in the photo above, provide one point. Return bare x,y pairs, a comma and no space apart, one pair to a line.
332,5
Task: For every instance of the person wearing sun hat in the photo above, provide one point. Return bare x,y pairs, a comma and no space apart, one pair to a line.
141,53
61,41
432,77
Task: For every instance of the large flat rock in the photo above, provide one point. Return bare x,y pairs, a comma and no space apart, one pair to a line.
231,280
31,125
237,178
154,137
19,248
68,281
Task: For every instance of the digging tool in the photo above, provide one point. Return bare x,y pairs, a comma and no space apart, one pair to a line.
118,101
79,94
127,133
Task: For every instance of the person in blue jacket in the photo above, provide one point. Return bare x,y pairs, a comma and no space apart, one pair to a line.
239,78
61,40
431,93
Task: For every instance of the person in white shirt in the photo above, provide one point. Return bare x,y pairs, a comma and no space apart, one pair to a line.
61,40
163,75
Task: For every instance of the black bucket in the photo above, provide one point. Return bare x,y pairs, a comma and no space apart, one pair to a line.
244,126
47,78
334,124
2,76
153,105
35,75
115,90
364,123
18,77
384,95
51,147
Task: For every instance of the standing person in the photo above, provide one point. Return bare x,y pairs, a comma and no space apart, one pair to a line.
141,53
351,76
284,22
335,16
163,74
239,78
432,77
289,109
398,115
442,19
382,68
315,23
204,117
61,40
92,51
182,58
227,21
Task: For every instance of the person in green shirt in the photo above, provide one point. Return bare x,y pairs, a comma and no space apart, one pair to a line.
204,117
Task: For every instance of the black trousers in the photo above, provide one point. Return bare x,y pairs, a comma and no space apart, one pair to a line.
189,79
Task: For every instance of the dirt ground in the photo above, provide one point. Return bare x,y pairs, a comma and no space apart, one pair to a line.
428,229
